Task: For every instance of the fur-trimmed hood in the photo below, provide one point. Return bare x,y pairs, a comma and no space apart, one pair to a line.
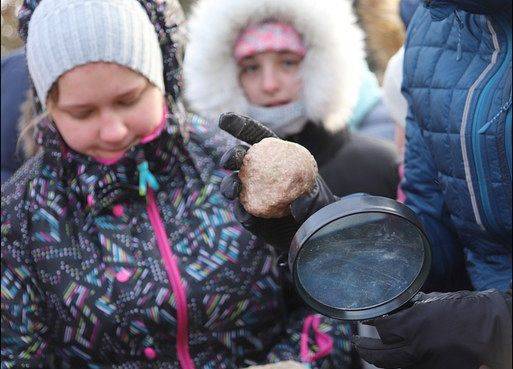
332,68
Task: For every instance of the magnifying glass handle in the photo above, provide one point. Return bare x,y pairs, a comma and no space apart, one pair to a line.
406,305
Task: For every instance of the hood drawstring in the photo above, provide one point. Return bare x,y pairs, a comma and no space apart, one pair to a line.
146,178
460,27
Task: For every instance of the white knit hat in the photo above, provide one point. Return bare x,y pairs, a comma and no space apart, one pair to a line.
64,34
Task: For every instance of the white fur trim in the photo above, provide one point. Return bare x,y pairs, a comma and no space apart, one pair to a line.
332,68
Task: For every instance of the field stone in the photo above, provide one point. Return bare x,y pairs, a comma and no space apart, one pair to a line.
281,365
273,174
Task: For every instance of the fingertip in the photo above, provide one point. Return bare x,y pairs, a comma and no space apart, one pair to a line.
245,218
233,158
230,186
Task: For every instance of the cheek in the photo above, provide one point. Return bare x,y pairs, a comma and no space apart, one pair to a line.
248,84
146,118
295,84
78,137
251,88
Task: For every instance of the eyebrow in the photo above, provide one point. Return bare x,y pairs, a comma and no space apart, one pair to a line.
117,97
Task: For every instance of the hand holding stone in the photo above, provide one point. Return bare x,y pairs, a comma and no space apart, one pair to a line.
272,173
275,231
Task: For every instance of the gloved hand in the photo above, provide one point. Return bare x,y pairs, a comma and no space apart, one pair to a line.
280,231
443,330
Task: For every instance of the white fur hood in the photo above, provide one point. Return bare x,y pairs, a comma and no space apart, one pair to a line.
332,68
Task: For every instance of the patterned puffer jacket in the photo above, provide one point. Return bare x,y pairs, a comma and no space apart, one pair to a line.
457,80
94,275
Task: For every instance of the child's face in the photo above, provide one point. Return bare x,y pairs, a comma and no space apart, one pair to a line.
103,109
271,78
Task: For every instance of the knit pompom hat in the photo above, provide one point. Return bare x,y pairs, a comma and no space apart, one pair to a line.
64,34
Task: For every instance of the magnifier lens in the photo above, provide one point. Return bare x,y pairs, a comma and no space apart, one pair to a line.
360,261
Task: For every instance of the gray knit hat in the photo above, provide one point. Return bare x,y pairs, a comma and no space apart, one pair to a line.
64,34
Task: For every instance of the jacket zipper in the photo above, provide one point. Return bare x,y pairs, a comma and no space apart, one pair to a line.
486,220
171,265
507,140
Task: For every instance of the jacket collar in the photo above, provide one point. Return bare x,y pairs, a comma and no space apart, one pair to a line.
97,185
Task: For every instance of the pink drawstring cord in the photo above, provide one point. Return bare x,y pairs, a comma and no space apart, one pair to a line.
323,341
400,194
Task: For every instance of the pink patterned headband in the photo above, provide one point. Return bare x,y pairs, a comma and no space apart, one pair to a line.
270,36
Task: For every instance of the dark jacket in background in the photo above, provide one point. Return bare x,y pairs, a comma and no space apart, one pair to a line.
350,162
15,84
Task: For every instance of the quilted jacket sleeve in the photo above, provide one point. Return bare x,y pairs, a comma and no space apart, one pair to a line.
23,326
314,340
424,195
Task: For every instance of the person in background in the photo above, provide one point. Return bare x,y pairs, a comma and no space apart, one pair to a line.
384,31
384,35
15,85
458,181
118,251
393,77
393,98
392,80
370,116
299,68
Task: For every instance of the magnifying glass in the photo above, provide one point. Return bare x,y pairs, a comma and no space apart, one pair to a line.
359,258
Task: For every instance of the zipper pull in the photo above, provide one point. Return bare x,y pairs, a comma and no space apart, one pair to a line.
488,124
146,178
460,27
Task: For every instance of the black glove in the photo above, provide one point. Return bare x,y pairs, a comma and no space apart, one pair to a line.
280,231
462,329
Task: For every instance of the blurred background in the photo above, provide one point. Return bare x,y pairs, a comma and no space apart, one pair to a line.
10,39
379,19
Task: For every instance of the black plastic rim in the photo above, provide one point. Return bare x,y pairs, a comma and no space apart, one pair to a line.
351,205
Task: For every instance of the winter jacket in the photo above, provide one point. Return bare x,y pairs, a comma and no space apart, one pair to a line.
370,116
333,72
457,80
94,275
15,84
407,9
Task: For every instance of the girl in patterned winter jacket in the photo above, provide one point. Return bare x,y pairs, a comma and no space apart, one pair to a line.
118,250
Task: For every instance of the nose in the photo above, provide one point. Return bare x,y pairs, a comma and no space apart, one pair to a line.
112,128
270,81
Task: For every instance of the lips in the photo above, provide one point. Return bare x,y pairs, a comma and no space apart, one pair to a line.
276,103
111,159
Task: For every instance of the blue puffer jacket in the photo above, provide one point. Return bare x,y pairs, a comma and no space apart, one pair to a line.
457,80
